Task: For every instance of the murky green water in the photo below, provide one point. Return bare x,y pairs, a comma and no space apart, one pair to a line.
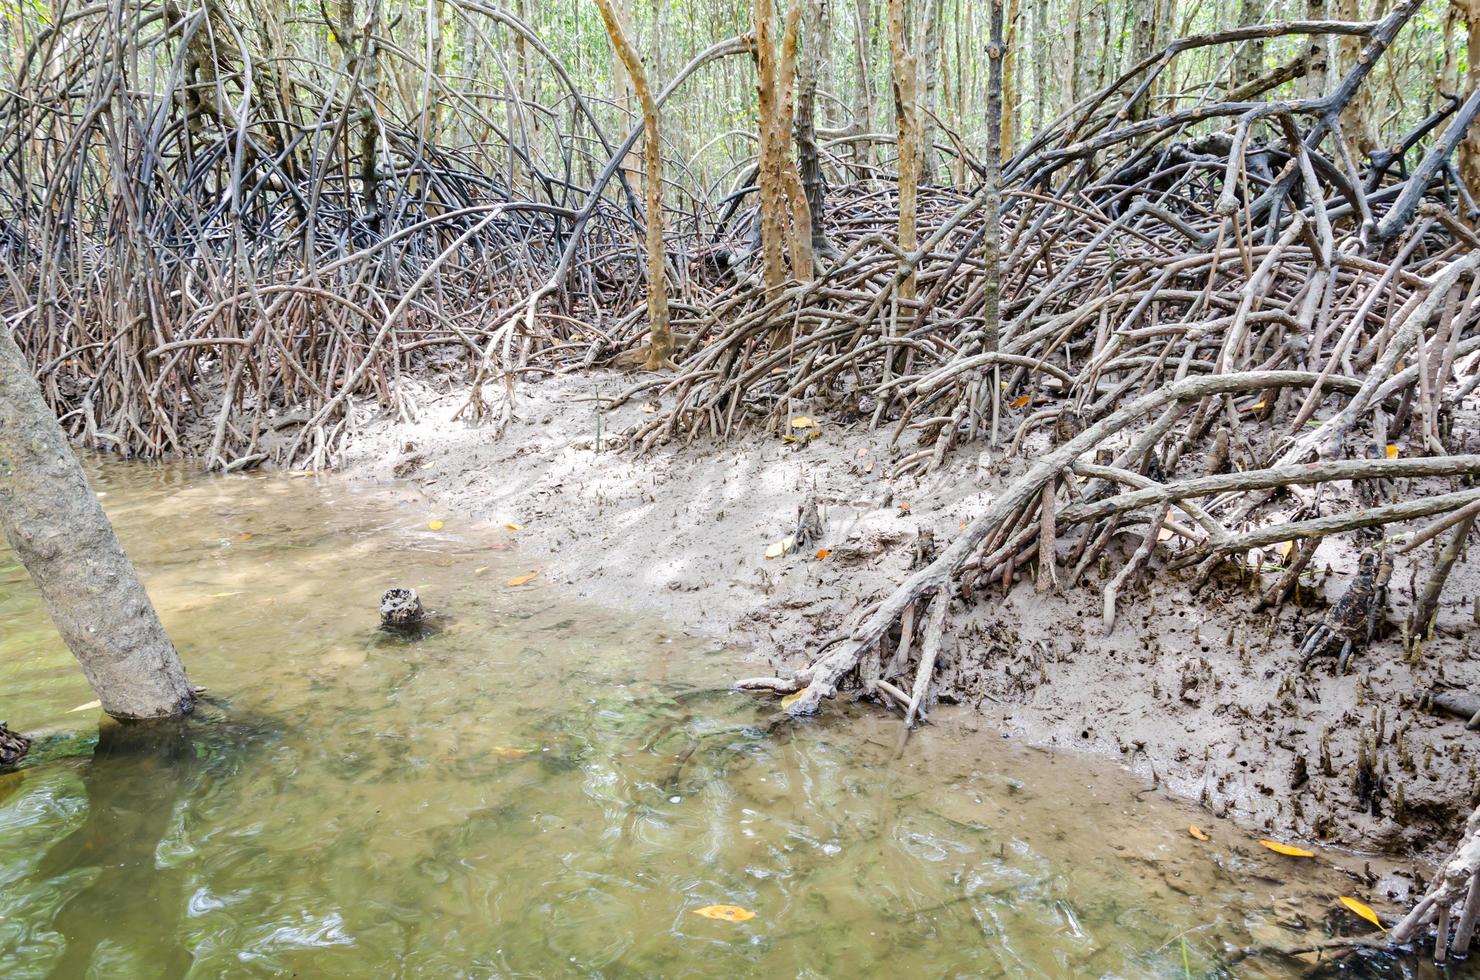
547,789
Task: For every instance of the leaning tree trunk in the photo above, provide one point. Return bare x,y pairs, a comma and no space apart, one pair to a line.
660,342
57,527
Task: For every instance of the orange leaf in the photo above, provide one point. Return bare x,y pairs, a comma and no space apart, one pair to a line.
1021,400
1392,450
524,579
728,913
1362,909
822,553
1196,831
1287,850
904,506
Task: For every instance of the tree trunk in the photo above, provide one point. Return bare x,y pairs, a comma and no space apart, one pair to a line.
863,118
1313,82
660,337
769,179
1010,87
1249,64
1469,148
1356,118
58,530
809,163
906,116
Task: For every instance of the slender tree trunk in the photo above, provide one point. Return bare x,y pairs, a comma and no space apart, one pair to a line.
932,36
798,221
1040,64
1010,87
863,116
1356,118
813,53
1313,83
57,527
1469,148
769,178
906,116
660,337
1072,70
992,211
1249,63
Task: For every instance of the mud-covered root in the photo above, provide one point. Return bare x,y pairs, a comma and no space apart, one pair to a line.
13,747
1458,878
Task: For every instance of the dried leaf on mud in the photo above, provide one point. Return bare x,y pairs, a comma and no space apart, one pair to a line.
803,422
524,579
1362,909
1021,400
1197,832
1392,450
1287,849
436,525
514,527
822,553
778,548
726,913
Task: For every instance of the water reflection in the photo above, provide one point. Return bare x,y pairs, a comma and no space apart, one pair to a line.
538,788
120,918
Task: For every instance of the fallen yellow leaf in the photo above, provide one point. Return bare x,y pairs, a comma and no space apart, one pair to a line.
728,913
822,553
1284,548
508,752
524,579
803,422
436,525
792,699
778,548
1287,850
1197,832
1362,909
1021,400
1257,406
1392,450
87,707
649,409
514,527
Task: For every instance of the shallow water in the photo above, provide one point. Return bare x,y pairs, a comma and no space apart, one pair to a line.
545,788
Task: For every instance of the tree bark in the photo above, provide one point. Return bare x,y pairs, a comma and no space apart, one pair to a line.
660,337
907,122
58,530
1469,149
809,163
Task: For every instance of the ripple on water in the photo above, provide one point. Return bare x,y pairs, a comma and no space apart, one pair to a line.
544,788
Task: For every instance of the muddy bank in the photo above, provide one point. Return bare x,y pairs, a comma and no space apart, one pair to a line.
1195,693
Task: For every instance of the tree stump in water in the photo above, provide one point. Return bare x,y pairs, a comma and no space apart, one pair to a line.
13,747
401,609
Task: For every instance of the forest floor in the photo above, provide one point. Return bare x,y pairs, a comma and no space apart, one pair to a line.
1196,693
